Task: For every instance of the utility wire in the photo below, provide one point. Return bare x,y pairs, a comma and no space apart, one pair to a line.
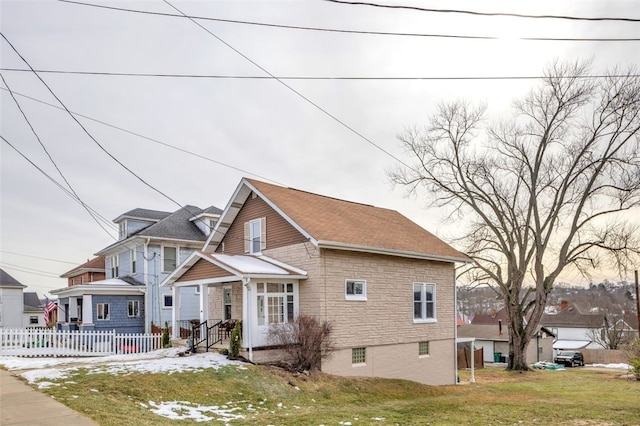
150,139
327,113
29,270
475,13
62,187
33,130
37,257
316,78
343,31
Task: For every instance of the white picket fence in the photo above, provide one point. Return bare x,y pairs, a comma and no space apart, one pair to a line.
53,343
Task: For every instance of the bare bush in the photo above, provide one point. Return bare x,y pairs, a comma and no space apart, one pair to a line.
633,353
305,341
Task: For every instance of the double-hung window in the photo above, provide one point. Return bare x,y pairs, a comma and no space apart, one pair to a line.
255,235
102,310
169,258
424,302
133,308
114,266
134,261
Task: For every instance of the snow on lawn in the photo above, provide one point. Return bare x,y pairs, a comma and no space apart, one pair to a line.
621,366
46,371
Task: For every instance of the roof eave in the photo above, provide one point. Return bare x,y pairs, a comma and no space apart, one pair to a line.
390,252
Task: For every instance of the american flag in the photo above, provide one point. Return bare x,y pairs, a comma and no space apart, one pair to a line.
49,307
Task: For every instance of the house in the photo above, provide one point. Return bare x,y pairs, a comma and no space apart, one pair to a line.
11,301
32,310
494,341
90,271
129,298
386,285
572,326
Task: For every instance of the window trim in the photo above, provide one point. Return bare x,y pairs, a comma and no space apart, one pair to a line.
162,257
133,257
115,266
136,303
354,296
423,302
108,316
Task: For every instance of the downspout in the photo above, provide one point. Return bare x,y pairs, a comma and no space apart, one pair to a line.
248,329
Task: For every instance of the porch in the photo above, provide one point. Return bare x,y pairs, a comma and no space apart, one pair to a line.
208,334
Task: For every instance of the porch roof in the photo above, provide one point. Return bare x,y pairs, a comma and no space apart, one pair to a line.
225,268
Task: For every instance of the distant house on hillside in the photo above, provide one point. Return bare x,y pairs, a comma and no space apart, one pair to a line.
571,325
384,283
90,271
129,299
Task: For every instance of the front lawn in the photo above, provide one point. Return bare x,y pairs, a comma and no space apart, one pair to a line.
239,394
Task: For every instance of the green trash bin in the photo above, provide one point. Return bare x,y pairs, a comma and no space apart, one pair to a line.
496,356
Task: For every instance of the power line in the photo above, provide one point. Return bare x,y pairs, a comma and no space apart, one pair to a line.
33,130
37,257
150,139
59,185
327,113
29,270
317,78
475,13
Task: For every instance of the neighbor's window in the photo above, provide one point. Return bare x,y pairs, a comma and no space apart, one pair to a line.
103,311
423,348
167,301
114,266
169,258
33,319
133,308
358,355
355,289
424,302
134,260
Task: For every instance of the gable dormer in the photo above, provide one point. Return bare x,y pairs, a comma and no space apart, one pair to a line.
207,220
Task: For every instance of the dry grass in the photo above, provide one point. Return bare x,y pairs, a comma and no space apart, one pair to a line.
574,397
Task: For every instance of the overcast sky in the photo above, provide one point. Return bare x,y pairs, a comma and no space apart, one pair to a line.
256,127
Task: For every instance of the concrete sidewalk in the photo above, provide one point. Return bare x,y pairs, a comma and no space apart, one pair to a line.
20,404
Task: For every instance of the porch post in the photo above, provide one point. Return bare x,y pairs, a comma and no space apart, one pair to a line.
473,359
247,304
87,310
175,295
204,303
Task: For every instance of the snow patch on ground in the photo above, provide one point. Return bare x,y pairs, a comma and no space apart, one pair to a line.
620,366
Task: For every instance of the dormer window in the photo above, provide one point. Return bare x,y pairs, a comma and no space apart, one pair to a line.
122,228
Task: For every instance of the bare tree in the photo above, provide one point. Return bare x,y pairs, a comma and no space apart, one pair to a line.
540,192
613,334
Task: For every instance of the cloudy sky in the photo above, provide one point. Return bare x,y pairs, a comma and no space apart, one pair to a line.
331,136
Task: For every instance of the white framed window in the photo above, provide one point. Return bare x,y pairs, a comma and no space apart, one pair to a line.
115,263
227,303
33,319
134,261
423,348
167,301
169,258
358,356
103,311
122,228
275,302
355,289
197,290
255,235
424,302
133,308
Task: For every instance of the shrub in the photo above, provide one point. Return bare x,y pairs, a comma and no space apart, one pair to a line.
166,342
235,341
633,355
305,341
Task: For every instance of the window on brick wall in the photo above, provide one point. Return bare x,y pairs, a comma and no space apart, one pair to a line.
423,348
424,302
358,355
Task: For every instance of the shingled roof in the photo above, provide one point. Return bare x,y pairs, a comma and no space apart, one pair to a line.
31,301
7,280
176,226
94,265
334,223
143,214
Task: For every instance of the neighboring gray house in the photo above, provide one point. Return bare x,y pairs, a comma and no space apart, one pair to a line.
151,243
11,301
571,325
32,314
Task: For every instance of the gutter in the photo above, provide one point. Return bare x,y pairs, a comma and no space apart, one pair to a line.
391,252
